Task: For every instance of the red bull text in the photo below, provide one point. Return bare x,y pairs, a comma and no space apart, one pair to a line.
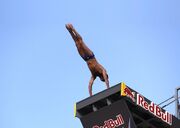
112,123
154,109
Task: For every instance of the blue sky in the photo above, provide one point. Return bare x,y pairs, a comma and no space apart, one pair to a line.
42,75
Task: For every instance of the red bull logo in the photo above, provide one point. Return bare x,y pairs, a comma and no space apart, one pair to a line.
125,91
112,123
154,109
151,107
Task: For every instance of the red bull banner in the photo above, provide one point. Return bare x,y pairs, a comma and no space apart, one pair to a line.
145,104
116,115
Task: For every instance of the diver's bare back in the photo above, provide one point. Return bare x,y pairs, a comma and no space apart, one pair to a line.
95,68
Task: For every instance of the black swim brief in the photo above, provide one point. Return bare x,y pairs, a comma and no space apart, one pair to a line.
86,58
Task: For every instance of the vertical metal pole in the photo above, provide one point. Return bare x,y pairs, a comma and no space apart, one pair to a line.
177,105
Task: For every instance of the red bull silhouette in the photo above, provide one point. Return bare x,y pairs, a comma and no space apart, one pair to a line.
89,57
129,93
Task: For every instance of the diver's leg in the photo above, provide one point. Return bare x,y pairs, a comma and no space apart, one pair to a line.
75,35
83,50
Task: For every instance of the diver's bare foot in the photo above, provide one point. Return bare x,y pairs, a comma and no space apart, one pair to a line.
69,26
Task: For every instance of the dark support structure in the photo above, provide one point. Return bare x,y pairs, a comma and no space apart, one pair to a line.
177,111
122,107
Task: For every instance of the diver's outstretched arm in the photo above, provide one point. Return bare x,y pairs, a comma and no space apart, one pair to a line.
106,78
90,85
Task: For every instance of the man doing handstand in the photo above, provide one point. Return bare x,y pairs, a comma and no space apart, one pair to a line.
95,68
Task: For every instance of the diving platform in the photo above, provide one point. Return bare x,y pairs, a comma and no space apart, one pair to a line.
122,107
